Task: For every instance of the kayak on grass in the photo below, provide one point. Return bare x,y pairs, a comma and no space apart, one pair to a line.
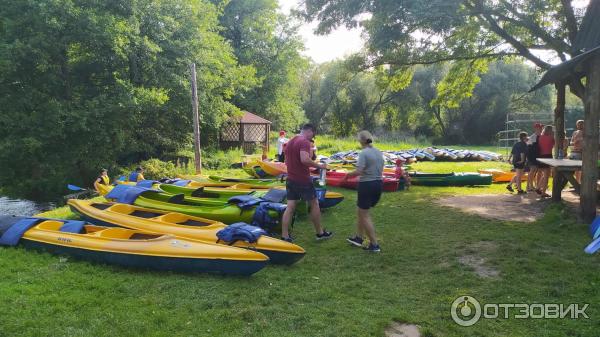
326,198
450,179
336,178
500,176
126,247
180,225
266,215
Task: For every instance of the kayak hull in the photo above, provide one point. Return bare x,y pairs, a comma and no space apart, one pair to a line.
180,225
450,179
134,248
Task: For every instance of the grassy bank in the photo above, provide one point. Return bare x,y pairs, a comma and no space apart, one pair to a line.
336,290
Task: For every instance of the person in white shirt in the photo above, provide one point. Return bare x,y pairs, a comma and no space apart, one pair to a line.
281,141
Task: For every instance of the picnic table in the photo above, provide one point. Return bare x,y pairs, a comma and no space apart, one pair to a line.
563,171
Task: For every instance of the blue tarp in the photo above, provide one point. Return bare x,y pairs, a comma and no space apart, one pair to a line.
13,234
73,226
127,194
181,182
146,183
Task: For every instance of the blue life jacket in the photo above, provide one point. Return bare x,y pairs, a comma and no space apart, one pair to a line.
133,177
261,217
240,231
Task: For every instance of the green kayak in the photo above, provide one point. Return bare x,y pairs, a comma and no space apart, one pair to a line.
222,195
250,181
214,210
450,179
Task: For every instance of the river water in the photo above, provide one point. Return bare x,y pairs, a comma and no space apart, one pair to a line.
23,207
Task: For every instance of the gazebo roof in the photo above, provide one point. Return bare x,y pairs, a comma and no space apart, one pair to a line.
587,41
250,118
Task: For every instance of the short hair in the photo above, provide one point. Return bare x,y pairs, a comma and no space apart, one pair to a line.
104,170
365,137
309,126
522,135
138,168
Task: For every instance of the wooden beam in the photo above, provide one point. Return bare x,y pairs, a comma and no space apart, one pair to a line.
559,118
197,153
590,140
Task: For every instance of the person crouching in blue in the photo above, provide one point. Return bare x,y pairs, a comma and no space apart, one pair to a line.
137,175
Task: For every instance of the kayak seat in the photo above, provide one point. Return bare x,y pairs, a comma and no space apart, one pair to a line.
181,219
145,214
100,206
73,226
198,192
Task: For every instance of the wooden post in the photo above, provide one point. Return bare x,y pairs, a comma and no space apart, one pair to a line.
559,118
197,153
242,138
558,180
589,176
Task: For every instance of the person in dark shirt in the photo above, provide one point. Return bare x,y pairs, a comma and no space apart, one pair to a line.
518,156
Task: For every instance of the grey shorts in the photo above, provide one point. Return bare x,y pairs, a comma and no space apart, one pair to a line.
575,156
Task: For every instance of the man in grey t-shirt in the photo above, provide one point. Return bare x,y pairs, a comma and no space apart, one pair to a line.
370,169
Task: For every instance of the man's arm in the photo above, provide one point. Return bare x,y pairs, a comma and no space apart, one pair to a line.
306,161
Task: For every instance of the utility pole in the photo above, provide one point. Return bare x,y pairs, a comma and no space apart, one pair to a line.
197,153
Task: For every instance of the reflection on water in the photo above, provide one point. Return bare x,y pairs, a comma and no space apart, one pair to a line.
23,207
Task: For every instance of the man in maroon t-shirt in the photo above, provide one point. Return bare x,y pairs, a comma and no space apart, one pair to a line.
299,185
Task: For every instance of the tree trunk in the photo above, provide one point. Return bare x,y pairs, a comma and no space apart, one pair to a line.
559,118
590,137
437,112
197,153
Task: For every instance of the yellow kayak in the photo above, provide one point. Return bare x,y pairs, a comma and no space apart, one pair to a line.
129,248
273,168
180,225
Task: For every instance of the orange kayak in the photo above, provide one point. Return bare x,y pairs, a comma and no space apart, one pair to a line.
499,176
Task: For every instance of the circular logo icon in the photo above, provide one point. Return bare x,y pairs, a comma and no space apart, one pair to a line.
465,311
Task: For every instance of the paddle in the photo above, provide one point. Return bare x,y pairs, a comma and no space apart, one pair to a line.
593,247
595,228
75,188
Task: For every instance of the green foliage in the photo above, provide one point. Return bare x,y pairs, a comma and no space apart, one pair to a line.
459,82
88,84
219,160
269,42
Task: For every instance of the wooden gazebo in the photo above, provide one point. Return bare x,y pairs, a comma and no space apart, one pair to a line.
249,132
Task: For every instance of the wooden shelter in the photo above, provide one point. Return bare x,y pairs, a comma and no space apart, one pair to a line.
249,132
586,64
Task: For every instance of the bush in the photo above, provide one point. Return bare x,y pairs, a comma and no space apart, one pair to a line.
222,159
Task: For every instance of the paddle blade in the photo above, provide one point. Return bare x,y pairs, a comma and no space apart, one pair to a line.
595,228
593,247
75,188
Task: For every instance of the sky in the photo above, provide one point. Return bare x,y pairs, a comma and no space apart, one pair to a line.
324,48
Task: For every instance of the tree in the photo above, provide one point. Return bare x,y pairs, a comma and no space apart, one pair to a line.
424,32
89,84
268,41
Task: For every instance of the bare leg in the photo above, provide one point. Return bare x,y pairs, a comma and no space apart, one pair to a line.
517,178
286,220
531,178
315,215
543,185
365,218
578,176
360,227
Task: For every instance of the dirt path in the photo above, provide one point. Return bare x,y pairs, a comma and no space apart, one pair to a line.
510,207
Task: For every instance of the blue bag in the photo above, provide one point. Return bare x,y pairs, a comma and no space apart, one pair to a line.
240,231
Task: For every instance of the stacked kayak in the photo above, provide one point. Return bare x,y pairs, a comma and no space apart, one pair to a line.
126,247
500,176
326,199
181,226
336,178
450,179
226,213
